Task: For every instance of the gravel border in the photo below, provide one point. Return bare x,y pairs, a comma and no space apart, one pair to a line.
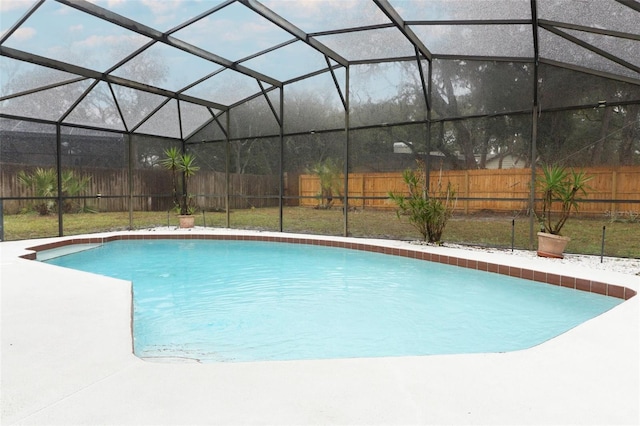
629,266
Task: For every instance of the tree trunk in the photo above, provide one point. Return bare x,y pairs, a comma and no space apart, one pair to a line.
629,135
598,149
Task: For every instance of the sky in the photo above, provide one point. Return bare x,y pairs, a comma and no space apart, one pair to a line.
235,32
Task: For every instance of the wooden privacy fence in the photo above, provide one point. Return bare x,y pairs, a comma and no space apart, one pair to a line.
151,188
505,190
501,190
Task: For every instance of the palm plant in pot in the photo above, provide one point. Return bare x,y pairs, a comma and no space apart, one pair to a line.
560,188
181,164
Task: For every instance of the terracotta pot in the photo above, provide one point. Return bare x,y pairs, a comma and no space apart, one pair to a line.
186,220
550,245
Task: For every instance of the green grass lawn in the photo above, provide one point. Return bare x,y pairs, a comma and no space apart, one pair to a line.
622,238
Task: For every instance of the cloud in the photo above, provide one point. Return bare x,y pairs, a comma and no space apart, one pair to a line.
161,7
101,42
257,28
7,5
111,4
62,10
228,30
313,15
234,31
162,11
115,3
24,33
305,7
76,28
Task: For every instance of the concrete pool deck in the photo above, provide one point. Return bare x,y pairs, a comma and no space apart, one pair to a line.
67,359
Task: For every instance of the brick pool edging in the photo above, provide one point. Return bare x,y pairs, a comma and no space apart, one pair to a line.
581,284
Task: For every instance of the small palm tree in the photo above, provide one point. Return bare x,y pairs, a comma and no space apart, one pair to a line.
73,185
44,183
188,168
559,186
172,162
330,173
184,164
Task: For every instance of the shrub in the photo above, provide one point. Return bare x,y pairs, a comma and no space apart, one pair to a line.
44,183
330,174
428,213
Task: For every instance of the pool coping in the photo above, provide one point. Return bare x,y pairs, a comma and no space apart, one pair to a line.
55,371
569,281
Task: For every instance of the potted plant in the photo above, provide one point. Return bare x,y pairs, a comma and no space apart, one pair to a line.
184,164
559,188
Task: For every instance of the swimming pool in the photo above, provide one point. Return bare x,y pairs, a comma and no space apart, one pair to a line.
277,301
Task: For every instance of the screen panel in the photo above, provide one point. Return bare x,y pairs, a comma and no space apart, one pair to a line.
386,93
28,174
314,185
95,181
462,88
313,104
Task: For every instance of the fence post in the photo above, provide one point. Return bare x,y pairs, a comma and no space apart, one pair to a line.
602,247
1,219
466,191
614,192
363,176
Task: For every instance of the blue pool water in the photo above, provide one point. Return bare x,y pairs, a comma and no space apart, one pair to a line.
246,301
